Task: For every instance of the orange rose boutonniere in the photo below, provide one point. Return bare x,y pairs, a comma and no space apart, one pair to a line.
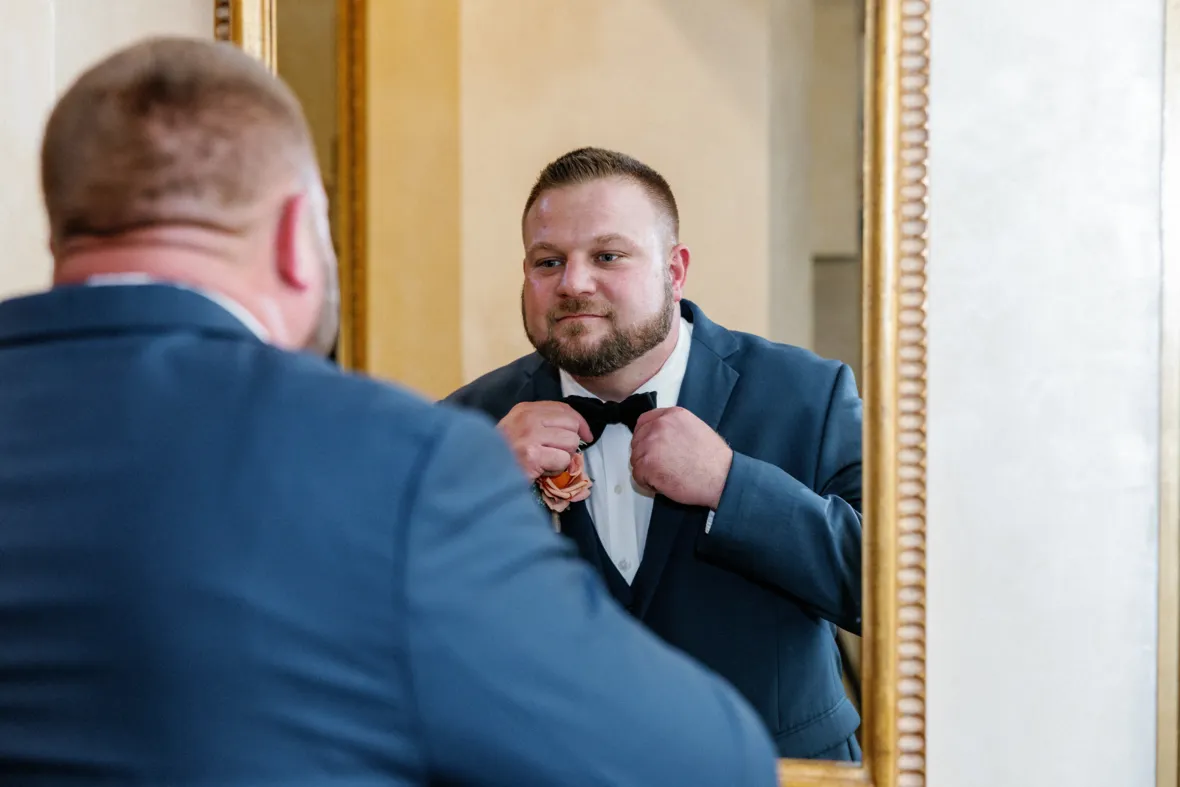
557,492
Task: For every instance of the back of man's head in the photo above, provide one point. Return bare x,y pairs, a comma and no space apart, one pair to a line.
169,131
175,154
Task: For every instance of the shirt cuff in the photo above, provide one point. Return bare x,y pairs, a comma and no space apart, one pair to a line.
709,521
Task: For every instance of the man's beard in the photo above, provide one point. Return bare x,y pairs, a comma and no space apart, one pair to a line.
614,351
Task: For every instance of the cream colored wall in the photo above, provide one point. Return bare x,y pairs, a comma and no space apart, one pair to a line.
307,62
684,87
1044,321
44,45
414,223
691,88
833,118
790,214
27,87
834,121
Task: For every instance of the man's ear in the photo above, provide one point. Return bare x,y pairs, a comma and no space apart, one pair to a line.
678,267
292,267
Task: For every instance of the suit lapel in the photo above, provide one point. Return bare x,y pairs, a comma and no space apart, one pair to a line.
577,525
708,383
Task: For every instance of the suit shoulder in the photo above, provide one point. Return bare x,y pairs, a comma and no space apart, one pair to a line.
490,391
363,411
756,353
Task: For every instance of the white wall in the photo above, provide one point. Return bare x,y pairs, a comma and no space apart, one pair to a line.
44,45
1043,378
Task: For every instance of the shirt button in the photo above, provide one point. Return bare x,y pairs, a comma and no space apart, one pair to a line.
618,489
624,565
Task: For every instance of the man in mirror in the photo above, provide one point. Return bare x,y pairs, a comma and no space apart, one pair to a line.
712,477
227,562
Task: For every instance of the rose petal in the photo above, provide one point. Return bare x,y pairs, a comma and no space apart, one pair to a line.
555,504
571,486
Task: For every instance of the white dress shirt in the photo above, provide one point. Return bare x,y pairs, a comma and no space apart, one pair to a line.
620,509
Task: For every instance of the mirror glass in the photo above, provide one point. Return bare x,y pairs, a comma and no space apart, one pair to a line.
752,111
306,54
837,196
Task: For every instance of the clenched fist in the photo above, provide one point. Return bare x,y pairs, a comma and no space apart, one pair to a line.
676,454
544,436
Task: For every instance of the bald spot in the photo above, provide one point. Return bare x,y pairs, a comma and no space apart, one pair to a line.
171,131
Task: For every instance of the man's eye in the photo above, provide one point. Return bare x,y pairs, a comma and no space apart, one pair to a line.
548,263
608,257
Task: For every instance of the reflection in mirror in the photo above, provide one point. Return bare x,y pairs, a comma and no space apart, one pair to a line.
752,111
836,104
306,60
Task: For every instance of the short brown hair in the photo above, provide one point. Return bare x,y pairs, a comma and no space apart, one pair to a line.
169,130
585,165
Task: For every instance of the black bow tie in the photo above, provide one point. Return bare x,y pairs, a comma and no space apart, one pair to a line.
600,414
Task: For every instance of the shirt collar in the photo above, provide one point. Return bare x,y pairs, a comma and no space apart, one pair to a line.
666,382
229,304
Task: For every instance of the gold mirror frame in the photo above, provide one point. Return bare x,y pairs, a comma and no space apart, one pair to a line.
894,302
251,24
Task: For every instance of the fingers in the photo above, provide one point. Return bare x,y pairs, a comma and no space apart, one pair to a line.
645,471
554,437
539,460
655,415
645,443
641,472
527,417
644,426
562,416
544,436
584,433
555,414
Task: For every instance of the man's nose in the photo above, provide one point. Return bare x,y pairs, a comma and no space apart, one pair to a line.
577,278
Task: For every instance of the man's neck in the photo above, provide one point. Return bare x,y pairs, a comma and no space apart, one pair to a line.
617,386
196,269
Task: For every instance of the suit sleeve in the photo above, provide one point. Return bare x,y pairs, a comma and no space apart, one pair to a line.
807,542
525,671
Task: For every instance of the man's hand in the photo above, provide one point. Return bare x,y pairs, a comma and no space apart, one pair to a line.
544,436
678,455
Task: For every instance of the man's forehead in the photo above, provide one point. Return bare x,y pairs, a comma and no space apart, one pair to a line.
591,212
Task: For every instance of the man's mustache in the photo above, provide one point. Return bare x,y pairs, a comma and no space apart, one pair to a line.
580,307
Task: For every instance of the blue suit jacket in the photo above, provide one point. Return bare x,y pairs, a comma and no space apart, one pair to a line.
223,564
759,596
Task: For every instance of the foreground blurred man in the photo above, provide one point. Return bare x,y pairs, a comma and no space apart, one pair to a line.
724,510
222,561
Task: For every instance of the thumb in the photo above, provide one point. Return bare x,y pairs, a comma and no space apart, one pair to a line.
584,429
